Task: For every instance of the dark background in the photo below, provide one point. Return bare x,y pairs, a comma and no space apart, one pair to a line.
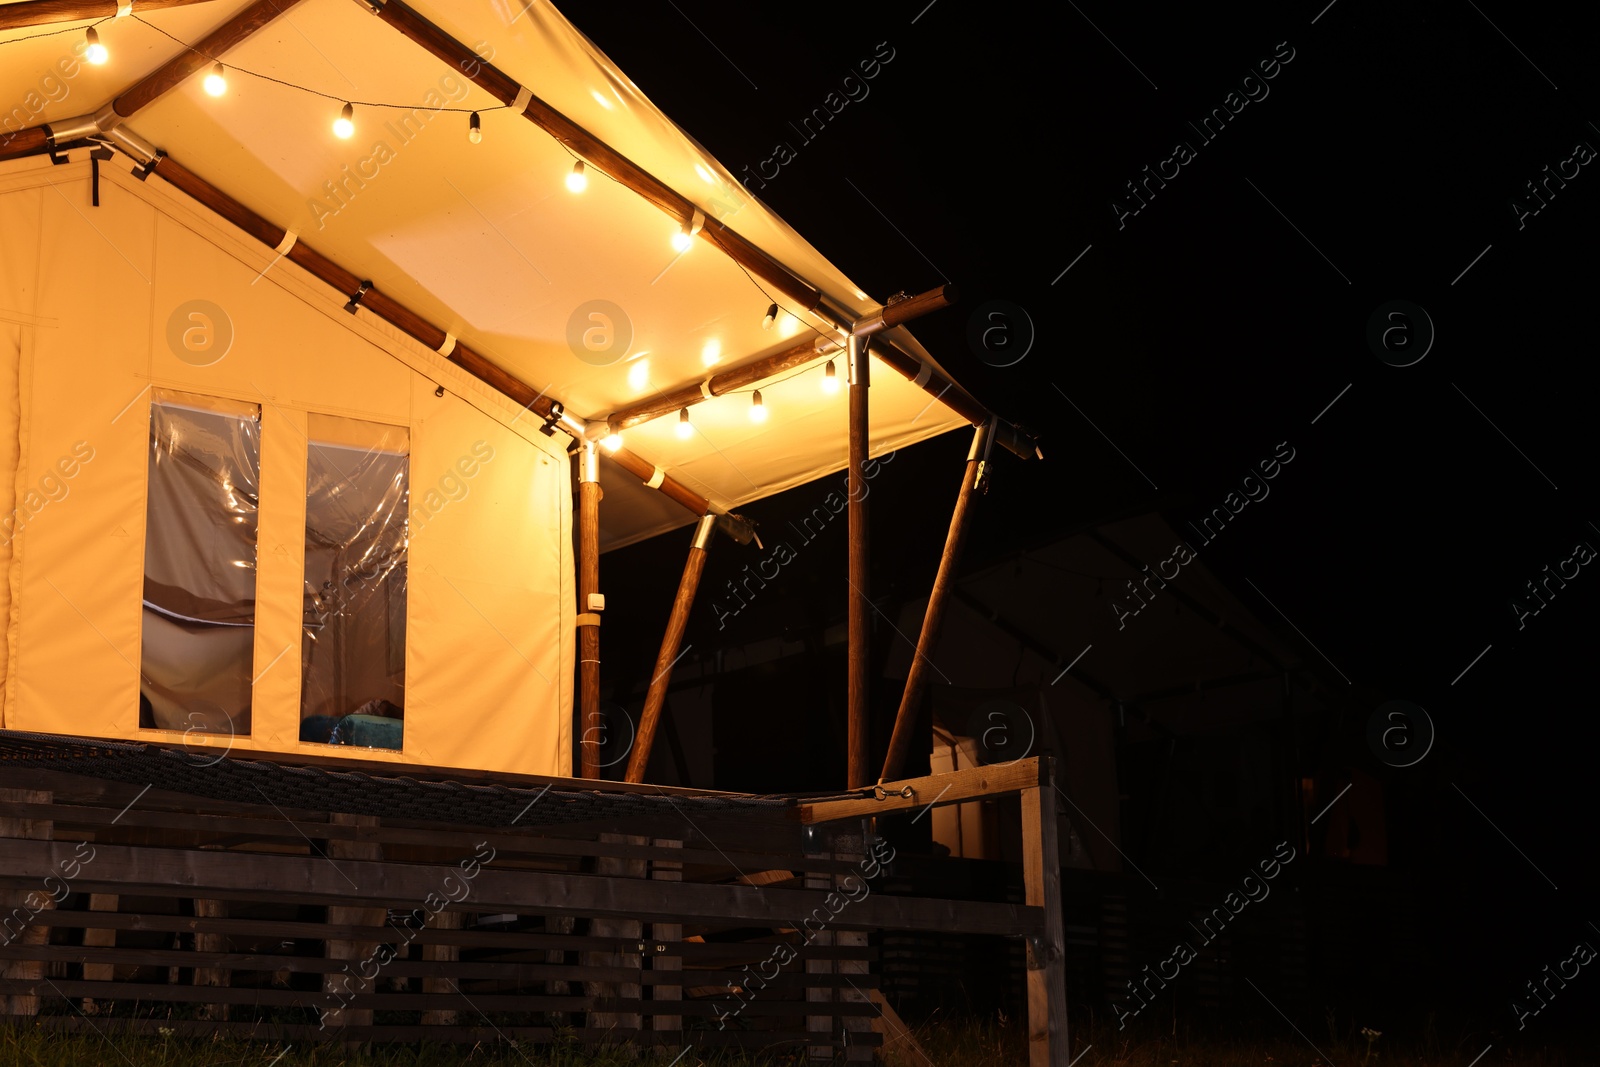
1203,331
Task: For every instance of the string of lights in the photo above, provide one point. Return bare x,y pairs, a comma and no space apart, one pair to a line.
215,84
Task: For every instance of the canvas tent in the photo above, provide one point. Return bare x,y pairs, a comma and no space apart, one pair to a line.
281,410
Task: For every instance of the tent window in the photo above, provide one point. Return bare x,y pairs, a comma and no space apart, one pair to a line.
353,649
200,564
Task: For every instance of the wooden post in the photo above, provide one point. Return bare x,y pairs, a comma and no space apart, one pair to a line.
852,847
859,737
665,937
99,937
208,942
444,920
933,618
677,622
342,984
626,929
1041,872
588,618
821,938
21,910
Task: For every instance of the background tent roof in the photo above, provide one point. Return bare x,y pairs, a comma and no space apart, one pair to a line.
485,240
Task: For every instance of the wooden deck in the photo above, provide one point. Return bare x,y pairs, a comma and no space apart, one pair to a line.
128,906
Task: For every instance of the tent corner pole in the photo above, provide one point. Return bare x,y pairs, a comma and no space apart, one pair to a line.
858,744
588,616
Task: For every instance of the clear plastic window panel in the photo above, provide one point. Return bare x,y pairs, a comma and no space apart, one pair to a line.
198,633
353,652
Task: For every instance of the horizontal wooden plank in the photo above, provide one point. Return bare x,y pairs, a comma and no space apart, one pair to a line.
489,1036
403,968
763,1003
535,943
225,875
197,828
929,791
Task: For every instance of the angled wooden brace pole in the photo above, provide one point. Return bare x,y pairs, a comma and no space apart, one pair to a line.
677,622
933,618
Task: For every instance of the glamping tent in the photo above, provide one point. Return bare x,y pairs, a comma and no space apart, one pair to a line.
313,318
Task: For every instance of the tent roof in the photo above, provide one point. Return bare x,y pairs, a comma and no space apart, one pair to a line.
484,240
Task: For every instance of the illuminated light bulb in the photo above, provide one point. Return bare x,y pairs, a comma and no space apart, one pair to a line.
830,379
681,241
611,442
344,127
711,352
639,375
577,181
216,84
771,317
758,410
685,428
96,52
475,129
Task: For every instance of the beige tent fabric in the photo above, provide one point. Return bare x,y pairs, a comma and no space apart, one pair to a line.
489,552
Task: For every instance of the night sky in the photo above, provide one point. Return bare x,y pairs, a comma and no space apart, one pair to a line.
1179,336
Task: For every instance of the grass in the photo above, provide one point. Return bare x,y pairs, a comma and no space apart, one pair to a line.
998,1042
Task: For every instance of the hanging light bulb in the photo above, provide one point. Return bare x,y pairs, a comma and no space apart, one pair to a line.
772,316
758,410
344,127
685,429
683,240
830,379
216,84
95,52
611,442
474,129
577,181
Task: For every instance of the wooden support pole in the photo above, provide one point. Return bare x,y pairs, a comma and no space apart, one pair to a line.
22,918
588,616
677,622
1041,872
46,12
858,728
933,618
